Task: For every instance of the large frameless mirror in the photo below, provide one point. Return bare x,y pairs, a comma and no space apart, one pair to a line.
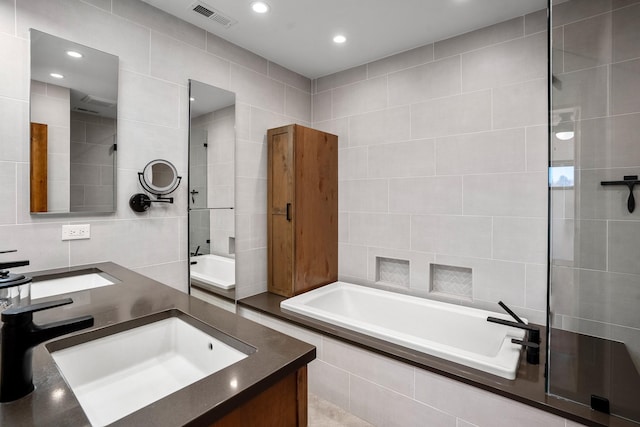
211,190
74,98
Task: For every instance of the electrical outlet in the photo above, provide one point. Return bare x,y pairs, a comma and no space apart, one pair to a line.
76,231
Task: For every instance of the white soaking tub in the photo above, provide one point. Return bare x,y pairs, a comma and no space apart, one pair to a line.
452,332
214,270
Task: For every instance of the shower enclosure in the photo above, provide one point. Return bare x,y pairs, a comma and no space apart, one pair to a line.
594,265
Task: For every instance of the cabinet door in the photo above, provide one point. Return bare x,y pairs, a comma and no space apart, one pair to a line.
280,216
316,219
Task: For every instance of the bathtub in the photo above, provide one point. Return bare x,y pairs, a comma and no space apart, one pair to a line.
214,270
452,332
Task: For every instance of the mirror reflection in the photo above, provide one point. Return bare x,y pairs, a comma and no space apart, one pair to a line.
74,97
160,177
211,189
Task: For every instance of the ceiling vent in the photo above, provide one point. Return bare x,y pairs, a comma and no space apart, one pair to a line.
98,102
86,110
211,13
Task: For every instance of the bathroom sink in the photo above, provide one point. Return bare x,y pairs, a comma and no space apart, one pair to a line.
46,286
117,370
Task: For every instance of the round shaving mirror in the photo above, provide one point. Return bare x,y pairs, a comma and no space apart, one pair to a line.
159,177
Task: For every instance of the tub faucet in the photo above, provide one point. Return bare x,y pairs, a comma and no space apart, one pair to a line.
533,334
197,252
20,335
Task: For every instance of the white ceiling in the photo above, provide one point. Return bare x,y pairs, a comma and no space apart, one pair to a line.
297,34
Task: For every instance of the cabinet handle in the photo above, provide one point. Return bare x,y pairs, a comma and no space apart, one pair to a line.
289,212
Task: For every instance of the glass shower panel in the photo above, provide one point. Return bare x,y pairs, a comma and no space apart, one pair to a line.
595,234
198,167
199,232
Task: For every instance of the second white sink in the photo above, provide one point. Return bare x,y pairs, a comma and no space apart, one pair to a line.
79,281
118,374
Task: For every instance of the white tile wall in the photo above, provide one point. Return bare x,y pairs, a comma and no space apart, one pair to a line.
400,61
431,195
515,61
8,180
432,80
379,127
443,157
465,113
158,54
361,97
14,127
400,159
493,34
484,152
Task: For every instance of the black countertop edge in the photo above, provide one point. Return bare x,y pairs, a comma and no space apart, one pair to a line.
527,388
134,298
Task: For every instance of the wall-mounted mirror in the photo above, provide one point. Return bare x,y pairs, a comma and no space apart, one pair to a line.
74,97
211,189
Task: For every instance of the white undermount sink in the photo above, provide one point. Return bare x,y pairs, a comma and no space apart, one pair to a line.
115,375
78,281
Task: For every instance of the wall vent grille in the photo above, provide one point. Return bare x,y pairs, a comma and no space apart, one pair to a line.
86,110
98,102
203,10
211,13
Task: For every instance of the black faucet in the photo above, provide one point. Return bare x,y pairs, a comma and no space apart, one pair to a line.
197,252
9,280
19,336
533,340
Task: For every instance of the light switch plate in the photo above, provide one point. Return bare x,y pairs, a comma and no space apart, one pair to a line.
76,231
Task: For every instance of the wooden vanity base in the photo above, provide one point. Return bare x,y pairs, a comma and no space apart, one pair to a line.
282,404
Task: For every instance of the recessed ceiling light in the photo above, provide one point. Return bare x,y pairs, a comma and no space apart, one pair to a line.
339,39
260,7
57,75
74,54
192,99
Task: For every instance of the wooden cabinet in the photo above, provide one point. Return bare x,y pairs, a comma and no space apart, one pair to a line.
302,210
283,404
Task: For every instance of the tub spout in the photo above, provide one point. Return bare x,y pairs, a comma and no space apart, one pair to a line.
19,336
532,343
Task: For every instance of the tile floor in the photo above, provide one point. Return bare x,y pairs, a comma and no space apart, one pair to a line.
326,414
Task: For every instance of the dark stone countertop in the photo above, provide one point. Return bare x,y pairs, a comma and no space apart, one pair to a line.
527,388
202,403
